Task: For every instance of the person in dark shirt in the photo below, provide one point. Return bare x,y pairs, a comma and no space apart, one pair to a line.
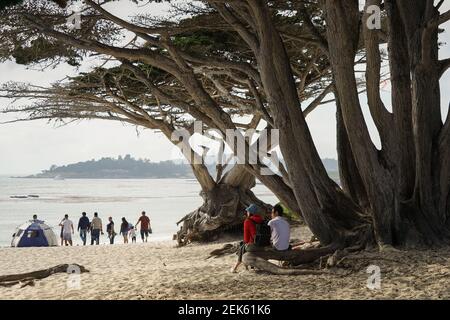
145,226
83,227
110,230
124,228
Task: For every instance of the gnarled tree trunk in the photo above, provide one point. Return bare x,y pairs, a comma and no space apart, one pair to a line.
225,199
351,181
329,213
407,180
223,207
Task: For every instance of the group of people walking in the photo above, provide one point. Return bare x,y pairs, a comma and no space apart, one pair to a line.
95,228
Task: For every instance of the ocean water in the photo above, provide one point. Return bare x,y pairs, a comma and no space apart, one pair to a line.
166,201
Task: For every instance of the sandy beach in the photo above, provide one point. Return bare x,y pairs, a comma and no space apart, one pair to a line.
162,271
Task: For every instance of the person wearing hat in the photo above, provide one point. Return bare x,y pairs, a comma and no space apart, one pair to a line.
252,218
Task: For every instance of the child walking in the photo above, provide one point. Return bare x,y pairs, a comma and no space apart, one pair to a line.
132,234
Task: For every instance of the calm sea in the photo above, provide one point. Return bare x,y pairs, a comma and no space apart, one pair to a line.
166,201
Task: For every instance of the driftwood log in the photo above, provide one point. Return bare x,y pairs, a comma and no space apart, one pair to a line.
27,279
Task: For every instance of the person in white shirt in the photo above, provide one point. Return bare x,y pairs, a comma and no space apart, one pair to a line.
67,230
132,234
281,231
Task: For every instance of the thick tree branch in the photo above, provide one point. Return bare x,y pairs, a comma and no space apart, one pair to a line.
259,103
141,54
225,11
138,30
443,18
382,118
318,100
141,76
444,65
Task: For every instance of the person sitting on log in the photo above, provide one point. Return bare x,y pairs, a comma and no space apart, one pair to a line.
252,218
281,231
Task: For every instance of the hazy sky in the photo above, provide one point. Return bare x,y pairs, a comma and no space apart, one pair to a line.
30,147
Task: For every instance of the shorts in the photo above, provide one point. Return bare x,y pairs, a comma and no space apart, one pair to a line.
67,236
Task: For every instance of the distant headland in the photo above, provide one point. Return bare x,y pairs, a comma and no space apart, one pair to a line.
128,167
125,167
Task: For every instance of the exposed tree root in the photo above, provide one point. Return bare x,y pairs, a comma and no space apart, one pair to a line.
310,261
251,259
226,249
28,279
259,259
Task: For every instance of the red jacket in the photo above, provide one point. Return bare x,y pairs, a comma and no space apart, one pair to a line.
250,228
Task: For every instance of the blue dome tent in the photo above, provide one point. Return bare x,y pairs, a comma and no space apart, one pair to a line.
34,233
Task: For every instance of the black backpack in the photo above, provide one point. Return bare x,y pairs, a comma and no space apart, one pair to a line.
263,234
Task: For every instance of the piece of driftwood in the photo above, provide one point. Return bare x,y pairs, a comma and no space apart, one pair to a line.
29,278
